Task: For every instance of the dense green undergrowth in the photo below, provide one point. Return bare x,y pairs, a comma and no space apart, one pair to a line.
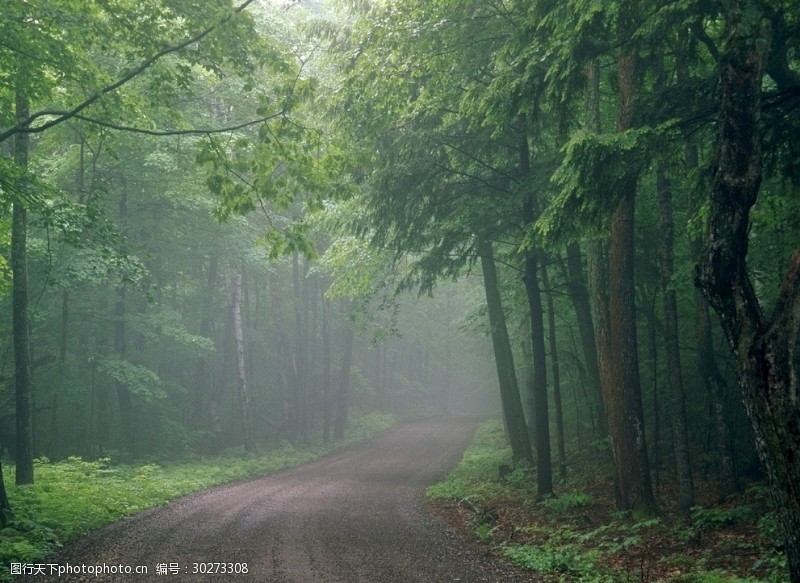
577,536
75,496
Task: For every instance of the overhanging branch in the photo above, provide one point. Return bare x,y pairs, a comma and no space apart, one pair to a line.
25,125
186,132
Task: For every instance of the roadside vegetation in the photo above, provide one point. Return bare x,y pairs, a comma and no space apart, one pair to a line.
102,491
578,536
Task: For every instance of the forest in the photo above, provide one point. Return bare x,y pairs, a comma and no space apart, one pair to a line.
233,226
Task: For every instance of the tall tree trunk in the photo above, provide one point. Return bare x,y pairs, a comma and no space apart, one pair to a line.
300,288
326,367
541,411
19,298
598,263
241,374
123,395
624,399
680,432
504,360
764,348
283,366
340,423
579,297
552,339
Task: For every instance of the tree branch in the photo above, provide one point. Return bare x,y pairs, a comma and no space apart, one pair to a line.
191,131
25,125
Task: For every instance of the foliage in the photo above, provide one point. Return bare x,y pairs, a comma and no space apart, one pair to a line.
567,560
577,537
477,472
138,379
566,501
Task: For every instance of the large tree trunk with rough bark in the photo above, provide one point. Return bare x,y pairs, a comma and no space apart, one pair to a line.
623,398
504,360
763,348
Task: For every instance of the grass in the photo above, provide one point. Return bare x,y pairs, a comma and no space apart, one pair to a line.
577,536
74,496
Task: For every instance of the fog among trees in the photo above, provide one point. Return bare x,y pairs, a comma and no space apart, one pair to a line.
228,225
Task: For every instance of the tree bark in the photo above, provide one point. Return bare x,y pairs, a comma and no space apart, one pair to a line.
504,360
19,298
763,348
624,400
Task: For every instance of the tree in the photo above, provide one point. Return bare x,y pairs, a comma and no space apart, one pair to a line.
763,347
38,31
235,301
624,405
509,388
19,269
674,371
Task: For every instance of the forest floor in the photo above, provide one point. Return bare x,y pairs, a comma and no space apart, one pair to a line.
577,536
355,516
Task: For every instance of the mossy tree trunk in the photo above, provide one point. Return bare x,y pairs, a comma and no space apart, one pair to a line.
763,347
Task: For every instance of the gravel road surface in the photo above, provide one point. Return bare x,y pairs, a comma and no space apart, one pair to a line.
356,516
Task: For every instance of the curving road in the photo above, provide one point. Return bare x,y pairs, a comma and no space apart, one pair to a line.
356,516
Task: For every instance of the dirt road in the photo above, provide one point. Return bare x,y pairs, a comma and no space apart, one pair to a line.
357,516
